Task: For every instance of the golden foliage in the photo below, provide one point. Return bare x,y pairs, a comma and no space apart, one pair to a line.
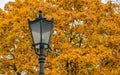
85,40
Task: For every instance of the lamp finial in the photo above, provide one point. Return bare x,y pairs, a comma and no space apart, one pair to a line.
40,14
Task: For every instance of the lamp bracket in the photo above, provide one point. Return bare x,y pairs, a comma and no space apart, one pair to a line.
38,49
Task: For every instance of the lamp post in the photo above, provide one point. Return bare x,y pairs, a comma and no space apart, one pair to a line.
41,30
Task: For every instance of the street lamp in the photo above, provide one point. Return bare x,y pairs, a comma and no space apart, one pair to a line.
41,30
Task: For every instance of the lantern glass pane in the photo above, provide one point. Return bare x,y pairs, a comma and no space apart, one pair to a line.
35,30
46,31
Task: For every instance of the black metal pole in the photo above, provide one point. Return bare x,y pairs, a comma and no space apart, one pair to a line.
41,59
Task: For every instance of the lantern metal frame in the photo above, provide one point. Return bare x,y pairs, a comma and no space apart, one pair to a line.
46,45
